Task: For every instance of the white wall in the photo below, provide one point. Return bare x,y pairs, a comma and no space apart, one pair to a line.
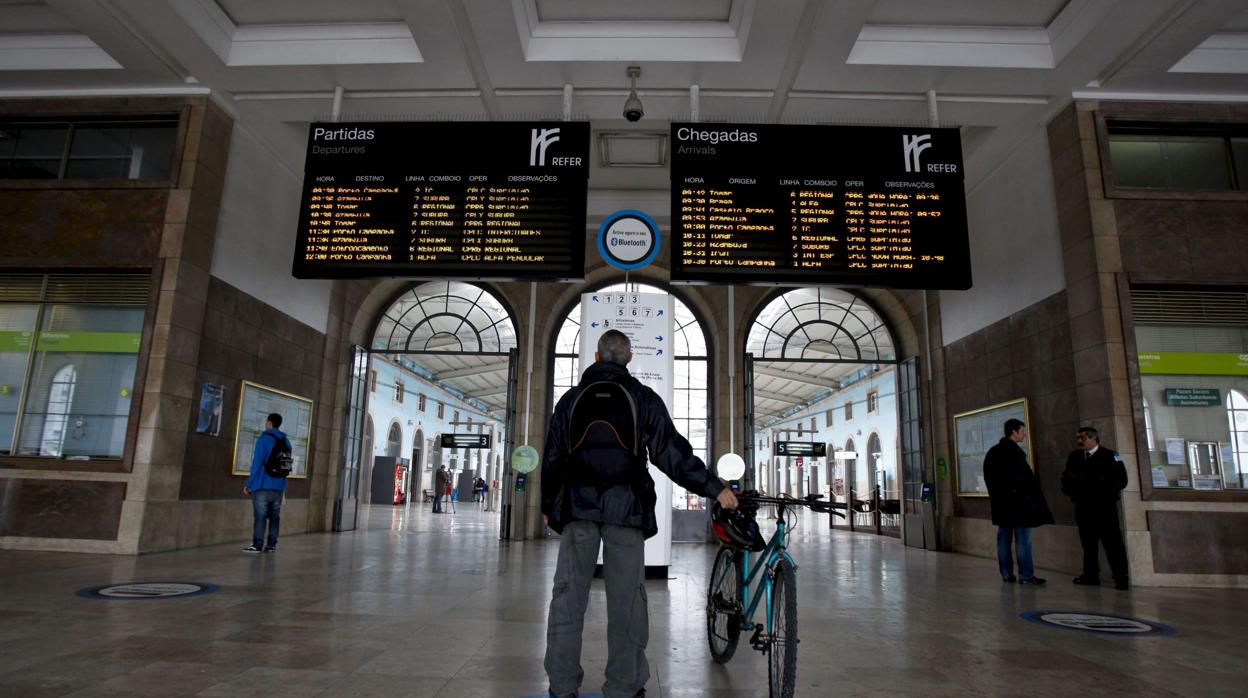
255,244
1016,254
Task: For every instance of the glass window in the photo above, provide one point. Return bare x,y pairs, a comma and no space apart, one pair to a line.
873,402
17,327
849,410
121,151
81,380
1237,415
32,151
827,417
96,150
420,402
372,381
1149,158
1148,426
398,391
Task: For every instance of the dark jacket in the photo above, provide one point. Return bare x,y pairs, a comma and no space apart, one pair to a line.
259,479
439,481
1094,480
1017,501
625,504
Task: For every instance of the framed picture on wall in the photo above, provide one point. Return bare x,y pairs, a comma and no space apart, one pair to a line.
977,431
256,403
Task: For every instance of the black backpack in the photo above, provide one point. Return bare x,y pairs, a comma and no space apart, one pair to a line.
280,462
604,440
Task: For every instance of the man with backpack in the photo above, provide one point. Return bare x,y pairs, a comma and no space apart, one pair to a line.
596,487
271,463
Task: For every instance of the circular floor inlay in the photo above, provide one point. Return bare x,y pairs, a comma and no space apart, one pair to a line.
146,590
1098,623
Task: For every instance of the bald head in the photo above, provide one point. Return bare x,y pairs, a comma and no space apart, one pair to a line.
614,347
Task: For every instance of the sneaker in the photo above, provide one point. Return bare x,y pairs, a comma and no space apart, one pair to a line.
271,549
1122,585
1010,579
1033,581
1085,580
251,549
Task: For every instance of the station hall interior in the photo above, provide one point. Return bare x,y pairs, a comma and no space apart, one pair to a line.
159,295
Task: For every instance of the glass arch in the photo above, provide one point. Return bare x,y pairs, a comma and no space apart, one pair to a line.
1237,415
446,316
816,323
691,372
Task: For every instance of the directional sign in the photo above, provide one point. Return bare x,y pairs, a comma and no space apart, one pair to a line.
465,441
816,449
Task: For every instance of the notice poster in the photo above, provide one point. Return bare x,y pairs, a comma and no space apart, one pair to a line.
211,403
1176,452
647,320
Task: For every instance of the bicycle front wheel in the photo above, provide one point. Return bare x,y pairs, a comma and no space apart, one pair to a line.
723,606
782,652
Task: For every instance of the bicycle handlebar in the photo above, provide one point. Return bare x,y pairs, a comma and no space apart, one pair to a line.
811,501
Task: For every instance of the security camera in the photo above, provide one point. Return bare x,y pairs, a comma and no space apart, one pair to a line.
633,111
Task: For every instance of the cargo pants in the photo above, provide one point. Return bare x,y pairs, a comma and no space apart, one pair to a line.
628,619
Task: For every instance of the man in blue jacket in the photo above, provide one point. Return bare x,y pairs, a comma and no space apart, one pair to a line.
265,491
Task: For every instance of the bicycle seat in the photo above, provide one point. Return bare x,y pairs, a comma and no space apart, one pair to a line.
736,529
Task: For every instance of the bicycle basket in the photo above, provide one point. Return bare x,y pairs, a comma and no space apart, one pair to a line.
736,529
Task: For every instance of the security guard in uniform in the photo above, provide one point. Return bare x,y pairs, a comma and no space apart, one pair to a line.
1093,478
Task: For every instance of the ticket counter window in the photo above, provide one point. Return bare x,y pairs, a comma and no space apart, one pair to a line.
1194,387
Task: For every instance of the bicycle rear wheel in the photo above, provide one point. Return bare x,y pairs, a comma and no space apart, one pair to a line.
723,606
782,654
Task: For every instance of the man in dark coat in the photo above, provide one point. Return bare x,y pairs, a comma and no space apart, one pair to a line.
1017,503
605,493
440,479
1093,478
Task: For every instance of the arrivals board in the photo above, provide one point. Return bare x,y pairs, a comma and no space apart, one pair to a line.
498,200
855,205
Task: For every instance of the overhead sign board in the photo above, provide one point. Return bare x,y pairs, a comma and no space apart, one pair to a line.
500,200
1193,397
465,441
816,449
1193,363
857,205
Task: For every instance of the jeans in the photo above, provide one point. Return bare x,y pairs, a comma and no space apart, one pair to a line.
628,619
1022,544
266,505
437,503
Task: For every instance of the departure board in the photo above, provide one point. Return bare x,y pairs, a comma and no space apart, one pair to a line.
470,200
866,206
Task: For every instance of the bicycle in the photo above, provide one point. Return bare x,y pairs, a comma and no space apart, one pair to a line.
727,613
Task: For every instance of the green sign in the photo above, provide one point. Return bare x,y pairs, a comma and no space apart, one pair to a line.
1193,363
1193,397
90,342
15,341
525,459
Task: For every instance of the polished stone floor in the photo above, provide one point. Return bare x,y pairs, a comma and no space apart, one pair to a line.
416,604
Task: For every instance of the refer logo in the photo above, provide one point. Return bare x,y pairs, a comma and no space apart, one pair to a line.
1100,623
914,147
540,141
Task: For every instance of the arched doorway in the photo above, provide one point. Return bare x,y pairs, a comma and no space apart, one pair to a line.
691,408
436,345
821,367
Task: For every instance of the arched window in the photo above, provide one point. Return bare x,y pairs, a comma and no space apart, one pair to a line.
446,316
418,449
1237,414
690,397
56,417
875,457
1148,423
367,450
820,323
394,441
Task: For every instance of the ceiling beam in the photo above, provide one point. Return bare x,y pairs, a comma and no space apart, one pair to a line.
472,55
791,376
470,371
778,397
487,392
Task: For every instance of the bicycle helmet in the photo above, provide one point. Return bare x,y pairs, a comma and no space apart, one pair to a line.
736,529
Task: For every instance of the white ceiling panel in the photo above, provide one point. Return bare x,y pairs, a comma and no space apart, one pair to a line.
244,12
967,13
32,17
638,10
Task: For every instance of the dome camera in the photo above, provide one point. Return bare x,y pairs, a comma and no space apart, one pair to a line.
633,111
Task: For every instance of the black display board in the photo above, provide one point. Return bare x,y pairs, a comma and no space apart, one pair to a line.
801,448
857,205
465,441
497,200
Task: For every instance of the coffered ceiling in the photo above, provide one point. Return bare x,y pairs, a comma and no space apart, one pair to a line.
998,68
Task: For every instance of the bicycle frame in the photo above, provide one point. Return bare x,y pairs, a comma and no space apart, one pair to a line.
766,560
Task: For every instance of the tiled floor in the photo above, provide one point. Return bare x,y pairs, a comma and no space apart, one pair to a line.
423,605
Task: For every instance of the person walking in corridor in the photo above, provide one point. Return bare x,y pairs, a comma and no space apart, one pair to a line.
596,488
1017,503
439,488
1093,478
266,485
